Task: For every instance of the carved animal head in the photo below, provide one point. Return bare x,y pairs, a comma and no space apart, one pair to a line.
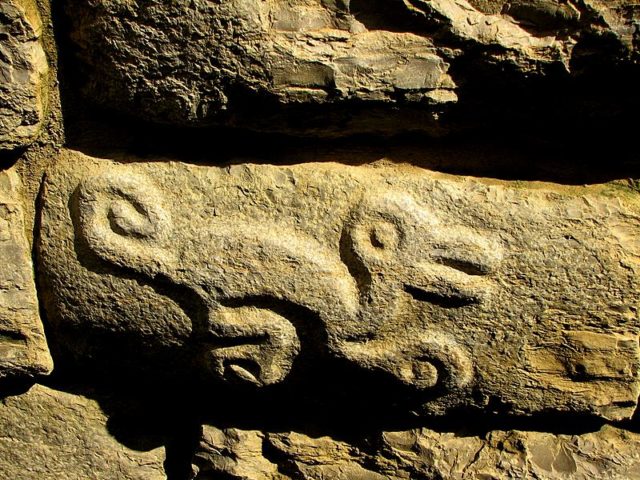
401,248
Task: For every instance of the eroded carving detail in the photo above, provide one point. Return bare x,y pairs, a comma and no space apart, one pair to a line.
403,247
254,345
243,268
398,247
123,221
424,361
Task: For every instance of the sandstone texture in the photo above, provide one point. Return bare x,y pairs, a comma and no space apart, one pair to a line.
610,454
459,291
319,240
23,74
23,347
47,435
333,67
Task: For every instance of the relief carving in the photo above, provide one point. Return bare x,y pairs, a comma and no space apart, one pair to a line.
223,263
258,346
236,266
122,219
328,239
398,246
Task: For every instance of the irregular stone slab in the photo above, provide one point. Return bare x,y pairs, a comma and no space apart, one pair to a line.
23,347
347,64
23,74
463,291
47,434
243,457
610,453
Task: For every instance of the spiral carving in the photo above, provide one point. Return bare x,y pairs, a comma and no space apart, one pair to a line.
122,220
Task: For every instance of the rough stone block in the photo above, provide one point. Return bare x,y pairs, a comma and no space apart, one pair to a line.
517,298
349,64
23,347
609,453
23,74
49,435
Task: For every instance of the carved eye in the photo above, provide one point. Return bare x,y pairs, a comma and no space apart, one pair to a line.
384,236
132,218
381,223
376,240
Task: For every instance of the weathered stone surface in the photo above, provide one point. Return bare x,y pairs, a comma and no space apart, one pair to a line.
23,347
610,454
23,74
465,292
47,434
348,65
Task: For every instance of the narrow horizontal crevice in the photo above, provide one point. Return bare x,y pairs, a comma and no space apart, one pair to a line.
12,337
440,300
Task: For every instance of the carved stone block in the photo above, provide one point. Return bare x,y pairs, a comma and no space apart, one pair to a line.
465,292
23,347
48,435
23,74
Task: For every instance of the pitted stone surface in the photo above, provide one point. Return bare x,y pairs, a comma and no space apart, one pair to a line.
23,74
23,347
463,291
338,67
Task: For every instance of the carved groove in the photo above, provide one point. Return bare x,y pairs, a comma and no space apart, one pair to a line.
439,299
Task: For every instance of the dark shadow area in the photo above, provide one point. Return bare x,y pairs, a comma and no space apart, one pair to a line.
10,387
374,14
327,397
141,415
330,403
566,128
575,159
8,158
443,301
632,424
145,413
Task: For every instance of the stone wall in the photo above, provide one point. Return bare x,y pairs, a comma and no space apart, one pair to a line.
319,239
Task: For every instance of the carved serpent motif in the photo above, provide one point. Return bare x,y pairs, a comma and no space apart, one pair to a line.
392,247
